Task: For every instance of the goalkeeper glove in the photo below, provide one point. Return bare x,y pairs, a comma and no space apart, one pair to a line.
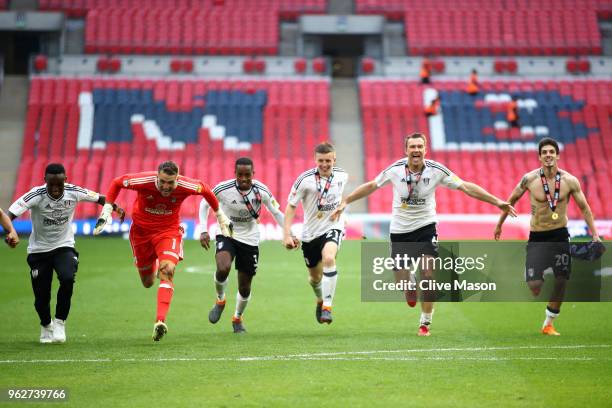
225,225
104,218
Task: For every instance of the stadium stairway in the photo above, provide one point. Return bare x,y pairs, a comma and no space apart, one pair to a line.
13,106
345,127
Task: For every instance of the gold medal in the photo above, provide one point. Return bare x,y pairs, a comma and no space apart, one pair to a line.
404,205
555,216
319,215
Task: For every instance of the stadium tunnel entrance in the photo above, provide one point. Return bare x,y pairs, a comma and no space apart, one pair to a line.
344,39
344,52
25,33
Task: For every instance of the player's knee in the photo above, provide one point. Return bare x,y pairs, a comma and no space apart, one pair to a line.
329,260
535,286
66,278
166,271
244,290
223,270
147,280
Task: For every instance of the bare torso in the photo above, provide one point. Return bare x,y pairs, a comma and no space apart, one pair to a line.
541,213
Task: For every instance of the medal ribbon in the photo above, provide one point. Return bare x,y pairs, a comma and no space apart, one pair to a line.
322,195
247,202
409,181
552,201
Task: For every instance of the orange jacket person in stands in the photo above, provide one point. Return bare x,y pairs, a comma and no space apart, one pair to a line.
425,73
512,113
473,86
433,107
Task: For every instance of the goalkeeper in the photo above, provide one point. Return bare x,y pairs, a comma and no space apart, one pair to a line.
156,235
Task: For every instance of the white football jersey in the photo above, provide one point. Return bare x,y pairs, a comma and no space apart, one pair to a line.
246,229
51,219
305,190
411,214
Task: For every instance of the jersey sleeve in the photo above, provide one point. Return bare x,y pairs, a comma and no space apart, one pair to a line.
83,194
383,178
204,207
297,193
450,179
273,206
26,201
132,181
209,196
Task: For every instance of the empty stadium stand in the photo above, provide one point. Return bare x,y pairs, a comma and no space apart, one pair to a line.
496,27
214,27
100,128
474,140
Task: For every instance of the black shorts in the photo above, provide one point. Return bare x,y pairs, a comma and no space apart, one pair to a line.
247,256
64,260
313,250
548,249
423,241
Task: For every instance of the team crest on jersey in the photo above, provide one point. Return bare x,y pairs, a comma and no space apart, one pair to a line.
426,181
68,203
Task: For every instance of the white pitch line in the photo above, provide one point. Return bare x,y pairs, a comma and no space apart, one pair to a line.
345,355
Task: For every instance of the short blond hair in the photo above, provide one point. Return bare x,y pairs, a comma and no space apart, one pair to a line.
415,135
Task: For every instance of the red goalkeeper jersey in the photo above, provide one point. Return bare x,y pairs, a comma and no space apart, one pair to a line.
152,210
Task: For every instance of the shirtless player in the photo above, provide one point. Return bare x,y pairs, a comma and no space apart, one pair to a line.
549,189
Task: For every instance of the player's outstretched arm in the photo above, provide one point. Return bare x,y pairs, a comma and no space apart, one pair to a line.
108,204
585,209
516,194
288,238
479,193
12,239
362,191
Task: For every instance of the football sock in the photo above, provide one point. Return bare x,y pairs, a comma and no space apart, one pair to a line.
551,314
426,318
328,283
220,288
241,304
164,297
316,287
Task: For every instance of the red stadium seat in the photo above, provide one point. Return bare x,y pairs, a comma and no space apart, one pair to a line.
367,65
175,65
319,65
40,63
300,65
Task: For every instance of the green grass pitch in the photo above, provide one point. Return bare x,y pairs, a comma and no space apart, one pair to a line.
479,354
